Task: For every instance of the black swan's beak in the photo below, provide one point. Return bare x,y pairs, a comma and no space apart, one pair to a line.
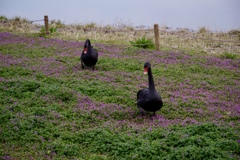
145,70
85,50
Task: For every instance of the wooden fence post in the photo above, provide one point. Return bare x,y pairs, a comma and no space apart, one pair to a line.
156,34
46,24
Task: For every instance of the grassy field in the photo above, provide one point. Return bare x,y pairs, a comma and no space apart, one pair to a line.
202,40
52,109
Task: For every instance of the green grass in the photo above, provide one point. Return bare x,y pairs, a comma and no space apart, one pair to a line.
52,109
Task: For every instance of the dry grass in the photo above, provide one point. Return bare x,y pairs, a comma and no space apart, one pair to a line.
203,40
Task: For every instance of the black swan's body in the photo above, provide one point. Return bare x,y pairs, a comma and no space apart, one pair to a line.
148,99
89,55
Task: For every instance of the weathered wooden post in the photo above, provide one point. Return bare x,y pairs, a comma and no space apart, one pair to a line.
156,34
46,24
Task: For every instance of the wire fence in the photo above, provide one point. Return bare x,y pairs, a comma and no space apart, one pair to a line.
211,42
36,21
194,37
167,32
167,39
5,21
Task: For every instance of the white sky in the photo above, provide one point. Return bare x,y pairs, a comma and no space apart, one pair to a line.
214,14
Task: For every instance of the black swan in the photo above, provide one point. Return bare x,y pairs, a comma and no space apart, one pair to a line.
89,55
149,99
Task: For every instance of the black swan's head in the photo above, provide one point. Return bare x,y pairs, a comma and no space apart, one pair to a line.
147,66
86,45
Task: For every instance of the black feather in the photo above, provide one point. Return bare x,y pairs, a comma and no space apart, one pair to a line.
89,55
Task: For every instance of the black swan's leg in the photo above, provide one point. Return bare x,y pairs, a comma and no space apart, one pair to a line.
141,111
154,114
82,65
93,67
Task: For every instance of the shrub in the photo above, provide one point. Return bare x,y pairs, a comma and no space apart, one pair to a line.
227,55
234,32
91,25
53,29
202,30
57,23
143,43
3,18
17,18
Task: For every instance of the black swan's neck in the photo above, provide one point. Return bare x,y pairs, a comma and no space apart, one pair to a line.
150,81
89,49
88,45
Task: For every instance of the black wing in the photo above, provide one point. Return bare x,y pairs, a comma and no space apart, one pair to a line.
143,93
94,53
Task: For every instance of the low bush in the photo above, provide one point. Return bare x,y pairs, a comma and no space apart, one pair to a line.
143,43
